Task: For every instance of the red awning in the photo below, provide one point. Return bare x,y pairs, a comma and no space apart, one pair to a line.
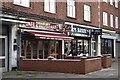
53,36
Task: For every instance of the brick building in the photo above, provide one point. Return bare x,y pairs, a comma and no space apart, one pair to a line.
35,31
118,35
109,24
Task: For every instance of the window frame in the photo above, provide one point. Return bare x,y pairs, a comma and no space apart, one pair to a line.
116,3
111,20
20,3
49,6
73,11
111,2
88,12
105,16
106,1
116,22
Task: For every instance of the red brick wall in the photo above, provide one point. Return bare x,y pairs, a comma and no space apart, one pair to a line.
106,61
110,9
93,65
70,66
52,66
38,8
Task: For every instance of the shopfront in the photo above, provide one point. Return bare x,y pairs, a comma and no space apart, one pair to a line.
39,40
107,46
108,43
81,44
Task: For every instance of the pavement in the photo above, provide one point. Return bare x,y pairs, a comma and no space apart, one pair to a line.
111,72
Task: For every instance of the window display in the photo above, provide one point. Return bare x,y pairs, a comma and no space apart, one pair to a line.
107,46
77,47
40,49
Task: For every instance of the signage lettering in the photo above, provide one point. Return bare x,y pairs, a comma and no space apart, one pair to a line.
43,26
79,31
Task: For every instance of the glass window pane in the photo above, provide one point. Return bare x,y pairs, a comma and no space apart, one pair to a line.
28,47
25,3
80,48
3,62
102,47
2,42
40,47
86,46
106,47
52,6
34,46
46,5
67,47
110,48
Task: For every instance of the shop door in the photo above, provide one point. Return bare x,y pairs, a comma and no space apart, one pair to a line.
3,53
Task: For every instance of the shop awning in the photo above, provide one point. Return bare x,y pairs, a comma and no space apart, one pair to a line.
53,36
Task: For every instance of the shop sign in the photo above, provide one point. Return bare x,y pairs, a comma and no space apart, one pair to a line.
79,31
67,28
97,31
42,26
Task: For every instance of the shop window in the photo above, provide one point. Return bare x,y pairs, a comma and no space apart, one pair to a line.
34,46
77,47
107,46
28,49
67,47
40,49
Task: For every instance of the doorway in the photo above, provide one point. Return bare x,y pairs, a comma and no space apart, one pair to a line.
3,55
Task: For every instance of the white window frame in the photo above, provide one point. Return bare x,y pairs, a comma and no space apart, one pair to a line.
105,1
111,20
116,22
25,3
87,13
105,18
116,3
111,2
50,6
71,12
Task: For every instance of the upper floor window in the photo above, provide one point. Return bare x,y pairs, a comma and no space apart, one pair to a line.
116,3
87,15
25,3
105,18
111,20
71,8
50,6
111,2
105,1
116,22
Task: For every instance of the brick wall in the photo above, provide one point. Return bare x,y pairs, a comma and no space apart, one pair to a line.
61,12
82,66
110,9
106,61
